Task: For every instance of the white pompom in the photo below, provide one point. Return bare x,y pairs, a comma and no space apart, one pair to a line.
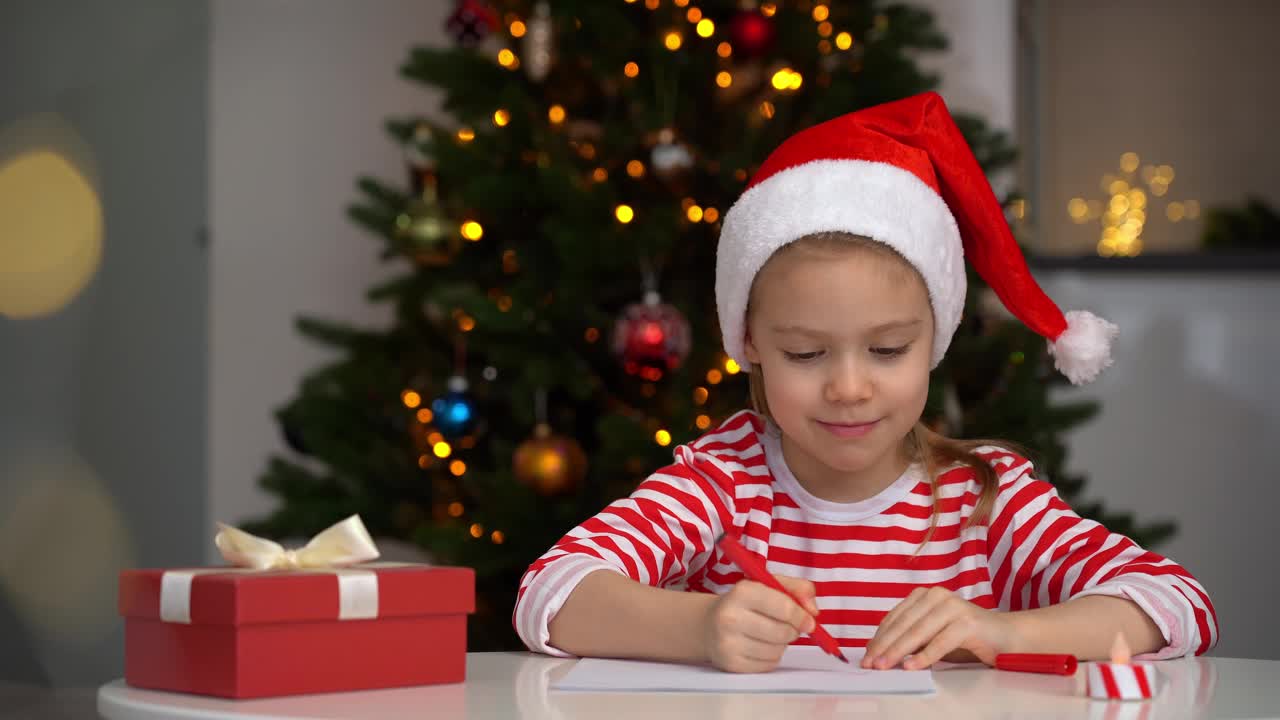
1083,350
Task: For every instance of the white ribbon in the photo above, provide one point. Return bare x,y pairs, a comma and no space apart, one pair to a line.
345,543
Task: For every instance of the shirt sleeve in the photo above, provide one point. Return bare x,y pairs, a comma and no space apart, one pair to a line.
659,535
1042,553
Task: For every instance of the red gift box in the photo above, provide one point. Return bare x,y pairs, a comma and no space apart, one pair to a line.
251,634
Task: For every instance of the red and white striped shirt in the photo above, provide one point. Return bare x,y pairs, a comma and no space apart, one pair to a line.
862,557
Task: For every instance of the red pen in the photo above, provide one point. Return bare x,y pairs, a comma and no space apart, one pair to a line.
1047,663
754,570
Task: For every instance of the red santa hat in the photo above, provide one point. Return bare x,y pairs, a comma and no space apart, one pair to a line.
901,174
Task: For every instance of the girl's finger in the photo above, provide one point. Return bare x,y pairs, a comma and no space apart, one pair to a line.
944,642
762,628
877,643
892,628
928,624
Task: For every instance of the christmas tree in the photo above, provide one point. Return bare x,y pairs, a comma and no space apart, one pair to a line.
555,331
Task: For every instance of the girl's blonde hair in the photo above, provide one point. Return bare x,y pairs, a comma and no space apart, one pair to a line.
931,449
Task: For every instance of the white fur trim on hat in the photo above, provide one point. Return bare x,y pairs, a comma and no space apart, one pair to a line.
1083,350
872,199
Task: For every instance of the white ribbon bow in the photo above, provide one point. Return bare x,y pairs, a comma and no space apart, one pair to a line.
344,543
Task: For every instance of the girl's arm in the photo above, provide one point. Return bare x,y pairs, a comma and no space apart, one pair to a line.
1047,560
656,538
1086,627
611,615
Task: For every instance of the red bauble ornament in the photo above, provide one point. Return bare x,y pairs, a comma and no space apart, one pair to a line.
651,338
471,21
751,33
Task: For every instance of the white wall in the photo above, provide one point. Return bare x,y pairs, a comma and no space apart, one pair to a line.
299,95
1190,418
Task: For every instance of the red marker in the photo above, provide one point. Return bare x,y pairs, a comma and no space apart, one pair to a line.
754,570
1047,663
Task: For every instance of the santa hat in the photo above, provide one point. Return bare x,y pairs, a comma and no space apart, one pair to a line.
901,174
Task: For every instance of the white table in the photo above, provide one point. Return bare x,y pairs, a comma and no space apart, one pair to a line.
514,685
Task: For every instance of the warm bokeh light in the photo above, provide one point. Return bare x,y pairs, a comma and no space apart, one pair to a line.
410,399
705,28
662,437
591,335
425,415
714,376
518,29
63,541
456,509
731,366
631,69
703,422
724,78
821,13
710,215
556,114
700,396
506,58
458,468
673,40
466,135
694,213
442,449
844,41
635,169
501,118
477,530
51,219
724,49
472,230
624,214
498,537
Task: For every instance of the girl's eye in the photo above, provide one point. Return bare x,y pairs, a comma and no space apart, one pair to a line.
800,357
891,351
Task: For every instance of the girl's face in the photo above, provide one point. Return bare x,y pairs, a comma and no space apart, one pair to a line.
843,338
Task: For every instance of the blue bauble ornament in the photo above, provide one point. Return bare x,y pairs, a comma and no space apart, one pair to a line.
455,412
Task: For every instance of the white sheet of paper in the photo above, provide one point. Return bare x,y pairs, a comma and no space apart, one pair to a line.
803,669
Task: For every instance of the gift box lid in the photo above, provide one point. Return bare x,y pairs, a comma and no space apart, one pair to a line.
232,597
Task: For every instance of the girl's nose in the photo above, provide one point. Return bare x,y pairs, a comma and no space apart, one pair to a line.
848,383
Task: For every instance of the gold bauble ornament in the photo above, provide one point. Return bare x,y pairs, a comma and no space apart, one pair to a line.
551,464
427,235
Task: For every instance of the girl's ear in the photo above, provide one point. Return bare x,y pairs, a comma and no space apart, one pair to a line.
749,349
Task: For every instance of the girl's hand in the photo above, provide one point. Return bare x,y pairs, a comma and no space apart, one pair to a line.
749,627
933,624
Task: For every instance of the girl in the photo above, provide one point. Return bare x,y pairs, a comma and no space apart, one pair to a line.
839,283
